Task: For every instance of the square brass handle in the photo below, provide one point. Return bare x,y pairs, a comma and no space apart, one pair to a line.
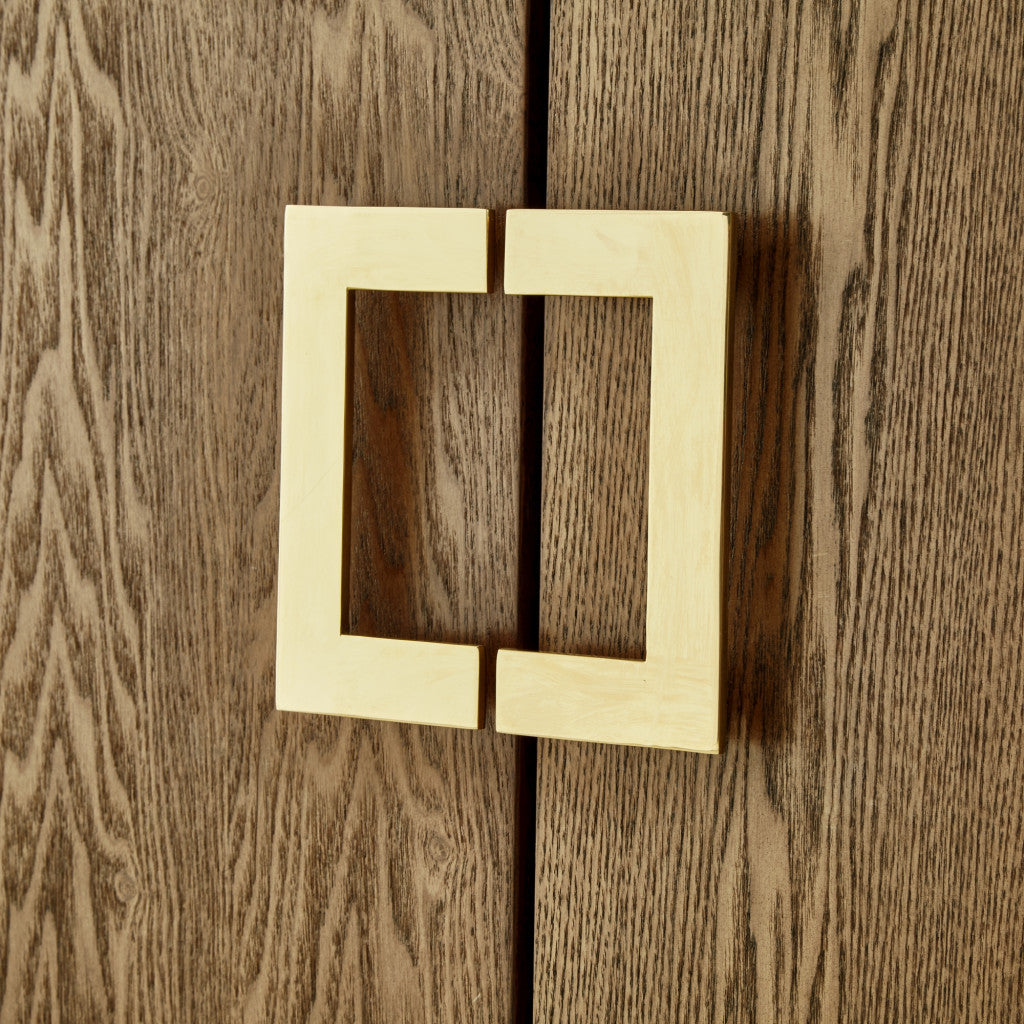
679,260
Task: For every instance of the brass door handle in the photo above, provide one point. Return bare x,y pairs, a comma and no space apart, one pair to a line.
679,260
327,252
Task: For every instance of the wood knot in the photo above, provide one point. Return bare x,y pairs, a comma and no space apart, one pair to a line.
126,889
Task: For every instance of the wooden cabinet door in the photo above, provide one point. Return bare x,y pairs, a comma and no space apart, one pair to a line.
856,853
171,848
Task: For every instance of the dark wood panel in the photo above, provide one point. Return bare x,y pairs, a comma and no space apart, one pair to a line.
173,849
857,852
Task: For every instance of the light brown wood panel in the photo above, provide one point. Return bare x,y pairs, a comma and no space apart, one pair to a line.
857,851
172,848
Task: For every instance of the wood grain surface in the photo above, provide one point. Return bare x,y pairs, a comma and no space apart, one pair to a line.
857,851
171,848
